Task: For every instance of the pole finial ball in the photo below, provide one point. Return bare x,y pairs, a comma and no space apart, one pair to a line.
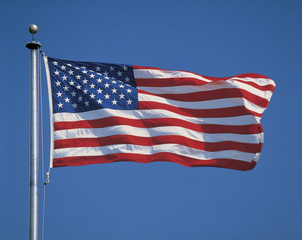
33,29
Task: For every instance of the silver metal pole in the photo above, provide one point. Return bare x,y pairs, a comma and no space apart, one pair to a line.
34,154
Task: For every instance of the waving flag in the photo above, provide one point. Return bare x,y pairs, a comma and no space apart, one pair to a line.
104,113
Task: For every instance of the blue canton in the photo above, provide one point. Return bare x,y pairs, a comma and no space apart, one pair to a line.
85,86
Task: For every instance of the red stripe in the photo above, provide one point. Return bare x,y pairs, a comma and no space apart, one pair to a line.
141,67
199,113
268,87
170,82
243,75
213,95
159,157
156,122
146,141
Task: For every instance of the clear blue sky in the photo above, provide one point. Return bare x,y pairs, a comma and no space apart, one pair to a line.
157,200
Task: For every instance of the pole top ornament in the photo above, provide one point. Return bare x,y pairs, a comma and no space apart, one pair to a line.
33,28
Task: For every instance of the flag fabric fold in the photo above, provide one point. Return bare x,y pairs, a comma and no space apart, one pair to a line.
104,113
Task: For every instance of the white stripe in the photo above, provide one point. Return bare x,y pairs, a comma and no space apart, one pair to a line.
153,73
258,81
253,107
150,114
153,132
211,104
229,84
149,150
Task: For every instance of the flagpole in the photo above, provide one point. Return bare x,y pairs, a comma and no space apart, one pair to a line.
33,198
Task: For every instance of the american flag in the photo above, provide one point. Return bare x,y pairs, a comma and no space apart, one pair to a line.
104,113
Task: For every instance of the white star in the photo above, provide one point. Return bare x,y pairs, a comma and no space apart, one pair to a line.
107,96
106,74
73,94
92,75
85,91
55,63
67,99
77,68
129,102
63,67
65,88
64,77
71,83
119,73
59,94
114,102
111,68
114,82
127,79
100,90
97,68
85,81
70,72
57,72
99,80
129,90
60,105
121,86
114,90
83,67
106,77
92,85
107,85
80,99
84,71
74,105
86,103
68,64
125,68
100,101
78,87
122,96
92,96
58,83
78,76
